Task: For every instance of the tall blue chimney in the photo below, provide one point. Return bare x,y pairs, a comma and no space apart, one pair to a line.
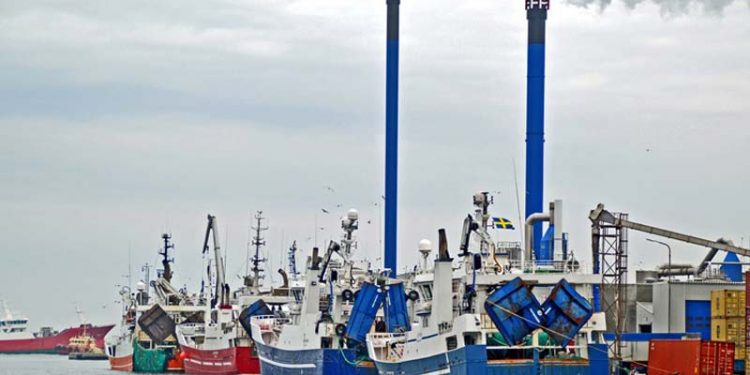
536,13
391,137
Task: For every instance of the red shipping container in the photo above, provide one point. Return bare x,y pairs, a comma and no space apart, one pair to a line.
717,357
747,312
690,357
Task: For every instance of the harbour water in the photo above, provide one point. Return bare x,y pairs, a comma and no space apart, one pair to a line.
38,364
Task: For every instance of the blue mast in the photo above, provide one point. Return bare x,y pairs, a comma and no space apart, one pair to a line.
391,136
536,13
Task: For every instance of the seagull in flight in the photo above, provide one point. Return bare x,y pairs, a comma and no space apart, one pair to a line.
324,210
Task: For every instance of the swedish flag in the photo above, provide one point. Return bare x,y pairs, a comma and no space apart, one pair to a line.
502,223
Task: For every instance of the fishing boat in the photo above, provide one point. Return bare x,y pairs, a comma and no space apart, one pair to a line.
155,346
15,337
482,317
313,338
217,342
120,346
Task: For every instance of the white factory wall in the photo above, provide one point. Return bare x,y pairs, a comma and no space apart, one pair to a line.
669,301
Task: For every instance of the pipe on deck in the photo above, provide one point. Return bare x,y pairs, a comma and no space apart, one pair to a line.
533,219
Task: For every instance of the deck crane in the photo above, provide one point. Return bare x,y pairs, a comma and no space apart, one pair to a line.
601,215
221,294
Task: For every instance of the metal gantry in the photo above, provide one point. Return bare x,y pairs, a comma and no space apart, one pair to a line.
610,250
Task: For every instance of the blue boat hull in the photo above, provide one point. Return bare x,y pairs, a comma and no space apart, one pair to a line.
312,362
472,360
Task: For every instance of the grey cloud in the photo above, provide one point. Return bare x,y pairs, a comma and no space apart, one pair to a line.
667,7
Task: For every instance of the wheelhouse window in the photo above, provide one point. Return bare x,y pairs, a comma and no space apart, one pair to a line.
427,292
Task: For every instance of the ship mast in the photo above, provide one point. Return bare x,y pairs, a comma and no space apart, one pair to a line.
6,310
293,260
146,268
79,312
167,273
258,242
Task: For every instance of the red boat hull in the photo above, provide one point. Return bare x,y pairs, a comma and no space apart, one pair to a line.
121,363
57,344
230,361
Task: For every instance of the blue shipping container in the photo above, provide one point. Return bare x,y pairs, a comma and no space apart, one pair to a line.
514,310
396,314
364,310
566,313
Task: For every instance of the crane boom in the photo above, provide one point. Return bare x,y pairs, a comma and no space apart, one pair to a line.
599,214
221,294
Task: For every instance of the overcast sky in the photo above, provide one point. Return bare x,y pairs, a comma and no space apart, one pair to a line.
119,121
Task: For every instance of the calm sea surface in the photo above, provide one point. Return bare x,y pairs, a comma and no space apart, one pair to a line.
38,364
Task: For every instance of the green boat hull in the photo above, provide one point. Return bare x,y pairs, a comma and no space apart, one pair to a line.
149,360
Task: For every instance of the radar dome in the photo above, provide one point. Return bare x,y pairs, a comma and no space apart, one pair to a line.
425,246
352,214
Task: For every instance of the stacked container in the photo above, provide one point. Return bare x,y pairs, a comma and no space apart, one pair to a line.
728,319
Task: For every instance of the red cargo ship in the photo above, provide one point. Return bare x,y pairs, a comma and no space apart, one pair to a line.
16,338
14,342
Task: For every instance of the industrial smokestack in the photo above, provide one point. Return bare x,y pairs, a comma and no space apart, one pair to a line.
536,13
391,136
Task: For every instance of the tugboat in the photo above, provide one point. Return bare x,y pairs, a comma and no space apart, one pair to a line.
83,348
319,336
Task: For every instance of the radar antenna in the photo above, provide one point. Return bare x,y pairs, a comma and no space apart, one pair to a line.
166,260
257,260
293,260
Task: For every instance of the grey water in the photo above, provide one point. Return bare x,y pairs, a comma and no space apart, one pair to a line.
41,364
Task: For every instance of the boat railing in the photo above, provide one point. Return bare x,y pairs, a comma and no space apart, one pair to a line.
381,340
388,346
194,327
523,347
554,349
269,323
556,266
